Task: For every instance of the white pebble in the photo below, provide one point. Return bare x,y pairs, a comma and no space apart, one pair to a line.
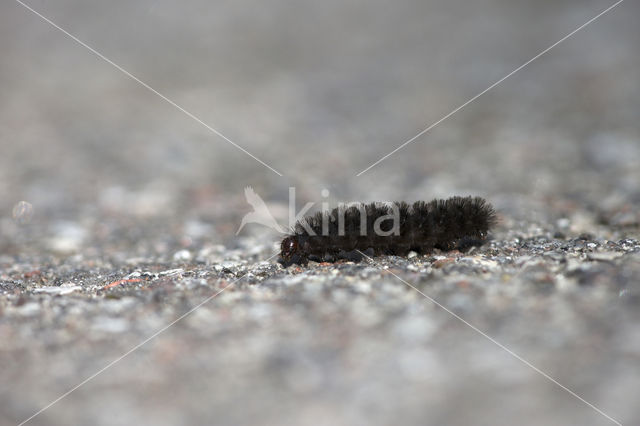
182,255
22,213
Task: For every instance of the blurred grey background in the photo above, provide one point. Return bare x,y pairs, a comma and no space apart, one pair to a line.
121,181
319,91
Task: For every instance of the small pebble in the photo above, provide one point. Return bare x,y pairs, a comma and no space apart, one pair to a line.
22,212
182,256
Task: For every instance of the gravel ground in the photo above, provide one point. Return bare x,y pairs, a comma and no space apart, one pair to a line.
127,245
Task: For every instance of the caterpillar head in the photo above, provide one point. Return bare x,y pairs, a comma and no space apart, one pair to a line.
288,248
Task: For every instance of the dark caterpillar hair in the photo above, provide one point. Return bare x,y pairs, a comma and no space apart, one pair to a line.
392,228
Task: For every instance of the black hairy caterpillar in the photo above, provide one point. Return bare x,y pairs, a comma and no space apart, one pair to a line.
389,228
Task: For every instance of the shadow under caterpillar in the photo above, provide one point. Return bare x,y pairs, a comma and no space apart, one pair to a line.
388,228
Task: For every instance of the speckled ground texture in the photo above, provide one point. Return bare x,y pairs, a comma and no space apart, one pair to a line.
136,207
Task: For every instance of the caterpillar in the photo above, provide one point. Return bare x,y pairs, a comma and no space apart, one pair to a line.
388,228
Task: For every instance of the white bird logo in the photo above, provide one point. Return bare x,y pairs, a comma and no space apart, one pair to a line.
260,213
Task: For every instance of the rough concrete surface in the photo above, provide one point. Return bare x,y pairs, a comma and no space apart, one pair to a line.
118,213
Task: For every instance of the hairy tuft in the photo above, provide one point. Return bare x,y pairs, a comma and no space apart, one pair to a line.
454,223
